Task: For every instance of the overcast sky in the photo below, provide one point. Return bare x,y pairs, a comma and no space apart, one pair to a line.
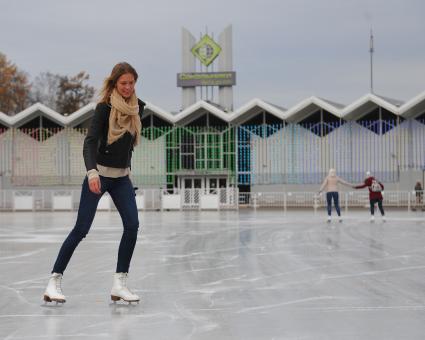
283,51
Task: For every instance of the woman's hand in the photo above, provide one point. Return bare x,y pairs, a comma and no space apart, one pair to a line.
94,185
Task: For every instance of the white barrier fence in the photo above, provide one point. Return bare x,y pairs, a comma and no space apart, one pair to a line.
352,199
197,199
146,199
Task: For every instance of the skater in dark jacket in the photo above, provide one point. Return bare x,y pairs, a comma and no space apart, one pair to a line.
375,194
419,192
113,133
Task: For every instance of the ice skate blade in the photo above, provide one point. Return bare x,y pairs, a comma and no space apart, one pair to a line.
115,298
48,299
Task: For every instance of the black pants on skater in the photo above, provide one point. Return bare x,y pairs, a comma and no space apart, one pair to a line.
380,206
335,196
122,193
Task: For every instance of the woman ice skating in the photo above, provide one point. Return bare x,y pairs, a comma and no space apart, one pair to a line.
375,195
114,131
330,185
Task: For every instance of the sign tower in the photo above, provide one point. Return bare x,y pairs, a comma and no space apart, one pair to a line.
207,69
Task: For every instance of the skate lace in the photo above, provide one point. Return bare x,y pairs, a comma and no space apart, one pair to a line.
123,279
58,282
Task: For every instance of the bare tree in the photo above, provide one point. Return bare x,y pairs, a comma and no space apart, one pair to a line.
45,88
73,93
14,87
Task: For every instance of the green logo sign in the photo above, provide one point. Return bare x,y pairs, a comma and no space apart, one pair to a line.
206,50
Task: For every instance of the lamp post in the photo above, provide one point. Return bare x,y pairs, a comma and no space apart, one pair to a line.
395,157
423,176
371,50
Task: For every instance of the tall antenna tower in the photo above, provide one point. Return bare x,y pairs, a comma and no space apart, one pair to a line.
371,50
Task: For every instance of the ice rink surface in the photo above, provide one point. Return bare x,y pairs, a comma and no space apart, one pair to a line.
220,275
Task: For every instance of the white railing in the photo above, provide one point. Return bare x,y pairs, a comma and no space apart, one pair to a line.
200,199
193,199
354,199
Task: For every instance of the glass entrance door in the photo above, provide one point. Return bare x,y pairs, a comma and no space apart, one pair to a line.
192,183
219,186
223,190
193,187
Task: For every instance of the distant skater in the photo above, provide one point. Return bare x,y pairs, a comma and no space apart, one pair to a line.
419,192
330,185
375,195
114,131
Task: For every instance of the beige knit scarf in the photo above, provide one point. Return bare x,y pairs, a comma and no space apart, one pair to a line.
124,117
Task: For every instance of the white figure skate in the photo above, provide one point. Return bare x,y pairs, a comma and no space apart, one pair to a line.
53,291
120,291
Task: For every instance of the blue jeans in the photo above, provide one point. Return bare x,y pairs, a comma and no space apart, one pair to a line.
122,193
333,195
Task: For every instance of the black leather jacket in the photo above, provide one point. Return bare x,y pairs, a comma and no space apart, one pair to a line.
96,149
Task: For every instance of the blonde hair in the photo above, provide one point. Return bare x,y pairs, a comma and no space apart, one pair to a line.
110,82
